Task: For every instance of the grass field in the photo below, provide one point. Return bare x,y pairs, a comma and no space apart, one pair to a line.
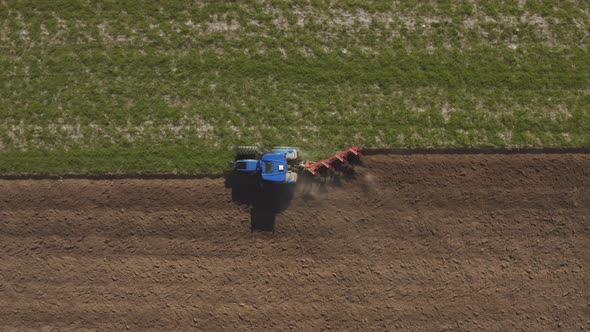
151,87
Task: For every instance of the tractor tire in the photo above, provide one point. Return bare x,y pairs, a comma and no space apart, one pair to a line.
292,158
248,152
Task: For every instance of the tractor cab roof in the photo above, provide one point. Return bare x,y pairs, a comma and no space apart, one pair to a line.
274,167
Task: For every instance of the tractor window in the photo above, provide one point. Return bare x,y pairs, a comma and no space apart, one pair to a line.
268,167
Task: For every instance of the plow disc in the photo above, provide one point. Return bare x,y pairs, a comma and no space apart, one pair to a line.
319,167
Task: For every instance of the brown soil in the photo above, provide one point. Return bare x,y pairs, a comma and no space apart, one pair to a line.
422,242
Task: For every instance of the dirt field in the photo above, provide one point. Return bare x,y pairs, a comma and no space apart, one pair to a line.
422,242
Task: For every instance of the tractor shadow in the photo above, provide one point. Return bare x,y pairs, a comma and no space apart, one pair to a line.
269,200
265,199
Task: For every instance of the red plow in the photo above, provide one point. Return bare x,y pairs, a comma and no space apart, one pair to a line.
319,167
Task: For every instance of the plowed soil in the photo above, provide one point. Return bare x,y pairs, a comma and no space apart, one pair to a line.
420,242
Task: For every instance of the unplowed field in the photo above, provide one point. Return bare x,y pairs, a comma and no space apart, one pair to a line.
420,242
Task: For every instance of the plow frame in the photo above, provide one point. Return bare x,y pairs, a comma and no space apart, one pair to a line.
317,167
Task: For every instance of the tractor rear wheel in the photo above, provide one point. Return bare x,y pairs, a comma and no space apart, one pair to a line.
248,152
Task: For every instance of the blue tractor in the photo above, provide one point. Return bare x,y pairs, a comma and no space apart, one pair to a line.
279,165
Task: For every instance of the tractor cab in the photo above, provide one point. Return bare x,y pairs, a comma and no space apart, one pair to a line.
274,166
